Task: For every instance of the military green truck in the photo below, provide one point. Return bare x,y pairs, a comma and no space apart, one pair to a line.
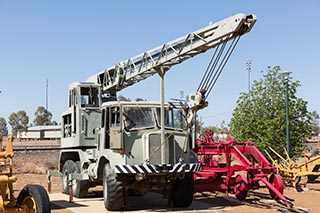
132,147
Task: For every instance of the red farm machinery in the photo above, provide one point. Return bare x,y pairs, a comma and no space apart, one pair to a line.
235,167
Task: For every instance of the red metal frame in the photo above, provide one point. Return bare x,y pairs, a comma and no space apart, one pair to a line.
232,166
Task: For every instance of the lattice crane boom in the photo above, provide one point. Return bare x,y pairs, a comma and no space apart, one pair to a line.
162,58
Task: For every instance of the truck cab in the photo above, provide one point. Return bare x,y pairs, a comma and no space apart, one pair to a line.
132,131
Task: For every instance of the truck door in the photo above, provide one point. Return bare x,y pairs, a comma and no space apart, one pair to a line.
115,128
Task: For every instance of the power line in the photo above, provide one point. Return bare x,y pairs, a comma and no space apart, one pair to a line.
216,115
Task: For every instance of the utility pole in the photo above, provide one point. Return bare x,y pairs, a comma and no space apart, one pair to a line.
47,94
286,76
182,96
249,65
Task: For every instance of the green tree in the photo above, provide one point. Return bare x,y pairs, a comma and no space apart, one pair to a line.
140,99
18,121
122,98
3,127
260,115
211,128
199,125
42,117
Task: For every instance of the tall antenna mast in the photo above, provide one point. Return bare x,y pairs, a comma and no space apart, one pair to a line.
47,94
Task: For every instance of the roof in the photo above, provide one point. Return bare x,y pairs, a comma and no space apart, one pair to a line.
49,127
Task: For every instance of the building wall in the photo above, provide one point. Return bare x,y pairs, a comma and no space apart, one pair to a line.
40,133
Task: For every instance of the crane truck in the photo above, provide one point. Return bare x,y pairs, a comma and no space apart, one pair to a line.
131,147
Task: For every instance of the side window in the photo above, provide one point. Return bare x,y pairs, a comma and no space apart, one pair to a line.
75,102
115,117
106,125
89,97
71,98
103,118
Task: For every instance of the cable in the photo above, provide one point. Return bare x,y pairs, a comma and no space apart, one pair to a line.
216,66
211,67
207,70
223,63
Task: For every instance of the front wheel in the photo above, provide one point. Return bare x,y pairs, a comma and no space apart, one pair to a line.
113,190
182,191
34,198
66,170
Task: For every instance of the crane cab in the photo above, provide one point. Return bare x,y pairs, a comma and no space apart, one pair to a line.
82,116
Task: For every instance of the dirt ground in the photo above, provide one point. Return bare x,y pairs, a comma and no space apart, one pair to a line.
257,201
30,168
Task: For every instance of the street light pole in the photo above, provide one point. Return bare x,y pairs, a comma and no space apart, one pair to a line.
249,65
286,75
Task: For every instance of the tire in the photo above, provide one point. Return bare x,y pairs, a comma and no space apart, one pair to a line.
182,191
34,198
277,182
79,187
241,187
113,190
66,170
312,178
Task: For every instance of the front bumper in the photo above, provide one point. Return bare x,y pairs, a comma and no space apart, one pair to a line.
165,168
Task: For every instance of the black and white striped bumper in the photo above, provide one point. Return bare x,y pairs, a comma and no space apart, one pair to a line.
148,168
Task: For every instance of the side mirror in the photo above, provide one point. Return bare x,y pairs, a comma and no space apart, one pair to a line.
96,130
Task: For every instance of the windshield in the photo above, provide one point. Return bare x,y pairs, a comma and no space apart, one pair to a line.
137,117
173,118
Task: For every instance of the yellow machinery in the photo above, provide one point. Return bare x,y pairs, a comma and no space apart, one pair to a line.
32,198
293,172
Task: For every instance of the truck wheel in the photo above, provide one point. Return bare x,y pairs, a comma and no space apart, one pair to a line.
113,190
66,170
182,191
79,187
34,198
312,178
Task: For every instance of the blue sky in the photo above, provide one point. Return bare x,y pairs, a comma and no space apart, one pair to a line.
68,41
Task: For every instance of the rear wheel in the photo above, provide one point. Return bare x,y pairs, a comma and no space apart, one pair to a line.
276,181
66,170
241,187
182,191
314,177
79,187
34,198
113,190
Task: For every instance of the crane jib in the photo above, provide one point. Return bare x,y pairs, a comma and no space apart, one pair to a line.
163,57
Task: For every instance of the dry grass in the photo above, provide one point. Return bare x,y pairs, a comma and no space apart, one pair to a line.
36,162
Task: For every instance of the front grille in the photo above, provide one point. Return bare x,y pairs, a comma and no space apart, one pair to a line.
169,147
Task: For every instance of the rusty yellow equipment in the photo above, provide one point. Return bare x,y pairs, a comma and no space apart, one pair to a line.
293,172
32,198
